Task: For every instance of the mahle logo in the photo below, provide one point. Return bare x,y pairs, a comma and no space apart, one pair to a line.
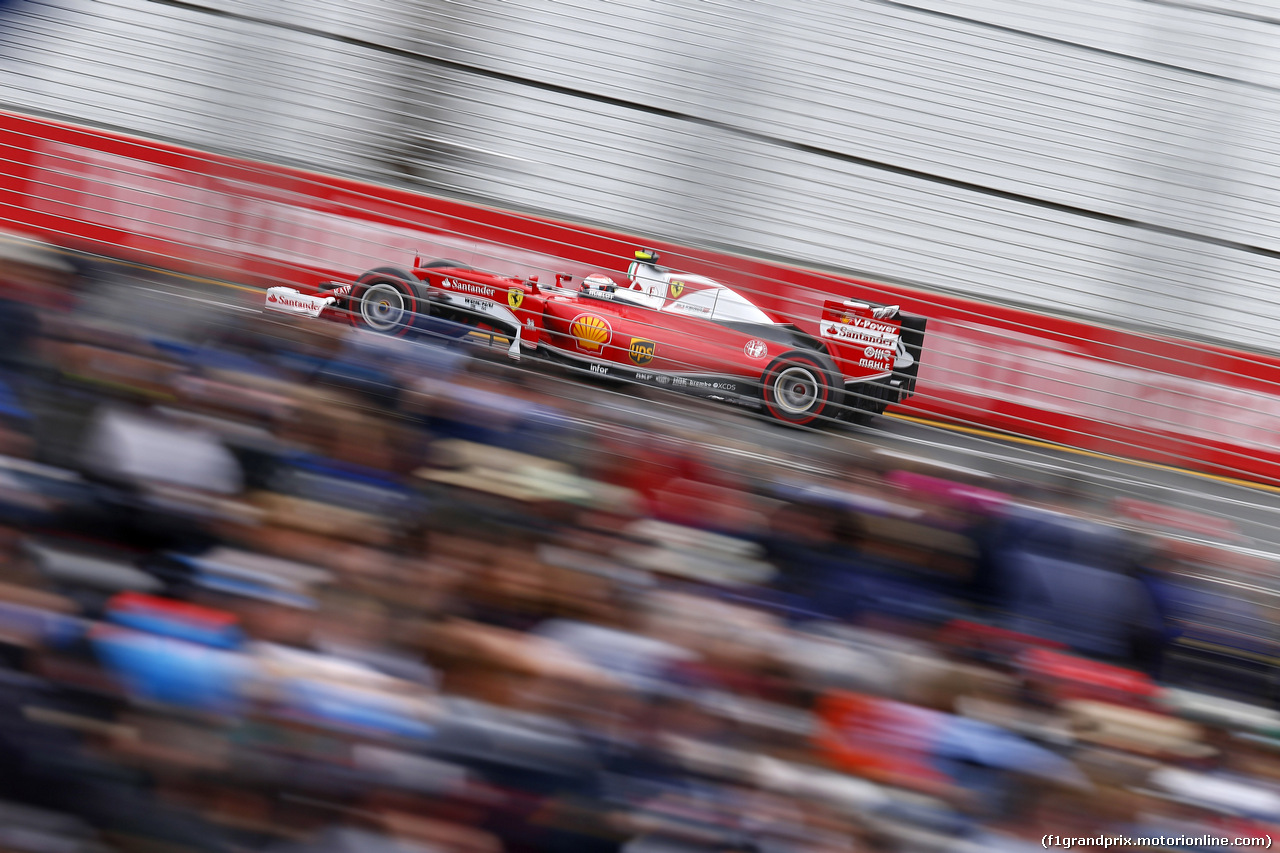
642,351
515,297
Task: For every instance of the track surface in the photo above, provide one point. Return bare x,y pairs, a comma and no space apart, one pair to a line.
189,307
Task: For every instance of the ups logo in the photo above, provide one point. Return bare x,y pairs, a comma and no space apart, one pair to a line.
642,351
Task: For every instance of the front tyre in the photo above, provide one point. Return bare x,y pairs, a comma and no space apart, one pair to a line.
440,265
797,389
385,301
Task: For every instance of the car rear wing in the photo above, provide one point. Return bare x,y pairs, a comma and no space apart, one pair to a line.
869,336
913,326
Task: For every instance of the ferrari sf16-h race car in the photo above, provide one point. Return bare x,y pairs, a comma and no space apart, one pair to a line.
663,328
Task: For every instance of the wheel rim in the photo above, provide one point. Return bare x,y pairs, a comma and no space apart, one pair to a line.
382,308
796,390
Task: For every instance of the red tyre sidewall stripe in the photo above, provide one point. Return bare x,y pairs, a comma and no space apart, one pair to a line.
823,385
407,293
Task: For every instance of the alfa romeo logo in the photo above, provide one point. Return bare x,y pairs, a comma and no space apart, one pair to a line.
756,348
515,296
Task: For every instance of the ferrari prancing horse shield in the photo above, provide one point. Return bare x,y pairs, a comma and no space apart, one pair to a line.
674,289
514,297
642,351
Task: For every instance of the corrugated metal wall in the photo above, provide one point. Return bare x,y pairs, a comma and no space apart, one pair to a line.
1113,158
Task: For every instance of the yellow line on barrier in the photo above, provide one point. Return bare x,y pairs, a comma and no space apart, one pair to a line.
185,277
1092,454
1227,650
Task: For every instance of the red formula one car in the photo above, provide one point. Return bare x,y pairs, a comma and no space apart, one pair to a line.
674,330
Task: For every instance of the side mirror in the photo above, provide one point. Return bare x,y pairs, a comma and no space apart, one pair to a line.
563,278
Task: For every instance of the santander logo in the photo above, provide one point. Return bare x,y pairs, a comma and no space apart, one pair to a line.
292,303
288,299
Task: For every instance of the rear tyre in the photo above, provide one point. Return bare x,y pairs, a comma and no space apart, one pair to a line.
386,301
798,389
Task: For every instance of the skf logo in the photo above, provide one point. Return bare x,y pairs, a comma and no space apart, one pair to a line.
756,348
515,296
642,351
591,332
674,289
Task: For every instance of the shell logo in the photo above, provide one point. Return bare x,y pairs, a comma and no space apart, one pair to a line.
591,332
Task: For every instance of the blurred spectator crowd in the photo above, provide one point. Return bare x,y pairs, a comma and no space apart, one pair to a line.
287,586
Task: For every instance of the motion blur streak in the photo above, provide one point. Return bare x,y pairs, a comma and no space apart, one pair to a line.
1165,400
271,583
277,584
1108,161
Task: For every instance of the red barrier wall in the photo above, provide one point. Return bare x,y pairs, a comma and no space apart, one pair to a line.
1089,386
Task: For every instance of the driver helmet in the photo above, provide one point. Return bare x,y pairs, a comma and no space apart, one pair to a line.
598,284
